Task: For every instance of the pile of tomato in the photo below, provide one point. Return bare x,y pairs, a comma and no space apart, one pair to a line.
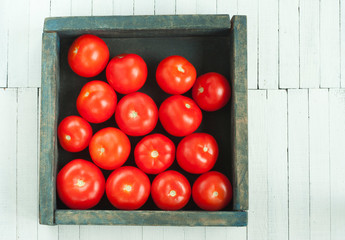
81,184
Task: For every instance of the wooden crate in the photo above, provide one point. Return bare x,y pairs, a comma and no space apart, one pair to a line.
211,43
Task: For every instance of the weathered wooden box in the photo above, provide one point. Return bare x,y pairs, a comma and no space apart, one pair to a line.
211,43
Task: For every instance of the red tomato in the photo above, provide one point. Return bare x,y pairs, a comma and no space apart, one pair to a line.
96,101
88,55
180,115
212,191
175,75
126,73
211,91
74,134
80,184
109,148
170,190
128,188
154,153
136,114
197,153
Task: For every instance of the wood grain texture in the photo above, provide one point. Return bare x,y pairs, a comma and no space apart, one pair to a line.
195,233
27,161
152,233
277,168
60,8
18,43
250,8
8,143
258,175
185,7
143,7
268,44
81,7
165,7
68,232
230,7
337,163
215,233
48,127
236,233
48,232
309,44
239,121
298,160
329,44
123,7
3,42
289,44
319,164
206,7
105,232
173,233
102,7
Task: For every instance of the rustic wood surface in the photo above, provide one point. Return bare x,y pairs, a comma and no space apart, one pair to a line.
309,216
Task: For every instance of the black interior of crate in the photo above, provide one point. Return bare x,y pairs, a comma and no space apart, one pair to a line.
206,53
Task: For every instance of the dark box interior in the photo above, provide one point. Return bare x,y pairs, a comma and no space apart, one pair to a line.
206,53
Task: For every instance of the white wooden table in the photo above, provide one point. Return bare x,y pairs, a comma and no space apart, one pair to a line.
296,54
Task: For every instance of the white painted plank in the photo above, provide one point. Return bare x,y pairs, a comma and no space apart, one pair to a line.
319,164
257,153
47,232
27,162
101,232
342,42
216,233
3,41
230,7
81,7
164,7
60,8
268,44
277,168
132,232
288,44
309,44
35,39
144,7
173,233
236,233
194,233
123,7
298,145
18,46
250,8
337,157
102,7
68,232
185,7
152,233
206,6
329,44
8,141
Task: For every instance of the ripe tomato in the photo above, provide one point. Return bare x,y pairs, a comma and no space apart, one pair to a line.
96,101
170,190
74,134
212,191
197,153
109,148
128,188
211,91
88,55
175,75
126,73
80,184
180,115
136,114
154,153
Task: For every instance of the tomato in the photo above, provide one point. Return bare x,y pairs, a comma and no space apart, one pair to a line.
136,114
109,148
170,190
96,101
154,153
88,55
80,184
126,73
212,191
197,153
175,75
128,188
211,91
180,115
74,134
